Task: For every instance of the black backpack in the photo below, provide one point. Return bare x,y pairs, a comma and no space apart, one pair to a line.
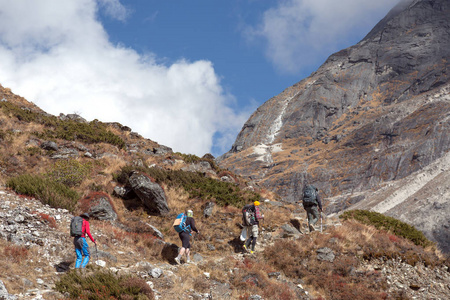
248,215
76,226
310,195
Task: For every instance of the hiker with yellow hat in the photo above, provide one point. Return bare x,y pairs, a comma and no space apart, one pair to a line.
250,218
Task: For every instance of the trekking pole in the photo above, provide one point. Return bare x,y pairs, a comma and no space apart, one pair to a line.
320,222
96,254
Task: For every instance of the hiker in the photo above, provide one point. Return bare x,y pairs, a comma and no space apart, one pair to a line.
312,204
185,237
81,245
251,215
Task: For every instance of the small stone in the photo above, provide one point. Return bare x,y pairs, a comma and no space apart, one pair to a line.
156,272
100,263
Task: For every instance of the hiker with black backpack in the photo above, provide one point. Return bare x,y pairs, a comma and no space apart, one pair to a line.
251,216
184,225
312,204
79,227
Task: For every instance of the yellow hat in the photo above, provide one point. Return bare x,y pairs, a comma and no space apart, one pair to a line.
256,203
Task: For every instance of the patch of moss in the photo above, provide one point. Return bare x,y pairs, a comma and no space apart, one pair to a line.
393,225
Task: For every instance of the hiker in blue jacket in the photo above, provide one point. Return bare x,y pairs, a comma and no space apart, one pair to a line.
185,237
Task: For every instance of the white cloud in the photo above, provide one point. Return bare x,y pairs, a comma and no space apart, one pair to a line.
57,54
299,33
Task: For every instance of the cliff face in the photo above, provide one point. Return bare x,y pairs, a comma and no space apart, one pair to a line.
371,114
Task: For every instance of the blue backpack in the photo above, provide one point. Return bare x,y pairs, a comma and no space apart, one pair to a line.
180,223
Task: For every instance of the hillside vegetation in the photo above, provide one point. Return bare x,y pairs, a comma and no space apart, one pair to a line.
55,167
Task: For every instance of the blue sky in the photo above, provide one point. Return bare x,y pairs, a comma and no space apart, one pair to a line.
186,74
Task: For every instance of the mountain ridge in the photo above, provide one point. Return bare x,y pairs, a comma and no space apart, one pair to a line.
372,113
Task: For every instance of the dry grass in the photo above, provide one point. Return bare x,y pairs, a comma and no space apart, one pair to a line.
177,198
16,262
346,278
276,216
251,277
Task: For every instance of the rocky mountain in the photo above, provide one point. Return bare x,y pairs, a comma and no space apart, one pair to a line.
52,168
370,128
55,167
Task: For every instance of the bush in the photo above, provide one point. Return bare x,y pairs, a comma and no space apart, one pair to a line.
196,184
92,132
192,158
103,285
393,225
46,190
69,172
16,253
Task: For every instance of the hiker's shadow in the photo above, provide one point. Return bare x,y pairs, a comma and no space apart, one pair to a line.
236,243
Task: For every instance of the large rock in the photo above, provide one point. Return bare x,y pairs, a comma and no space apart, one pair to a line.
149,192
100,206
49,145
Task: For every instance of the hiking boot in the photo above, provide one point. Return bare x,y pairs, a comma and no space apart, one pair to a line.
311,228
188,261
251,252
245,248
177,260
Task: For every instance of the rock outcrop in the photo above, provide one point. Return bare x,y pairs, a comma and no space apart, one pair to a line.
149,192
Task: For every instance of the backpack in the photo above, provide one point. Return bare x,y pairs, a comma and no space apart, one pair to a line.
310,195
76,226
248,215
180,223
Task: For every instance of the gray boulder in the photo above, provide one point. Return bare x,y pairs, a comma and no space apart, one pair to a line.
325,254
207,212
289,231
150,193
100,207
155,231
49,145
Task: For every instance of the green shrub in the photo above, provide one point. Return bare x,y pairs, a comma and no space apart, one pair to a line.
393,225
46,190
196,184
34,151
192,158
92,132
103,285
70,172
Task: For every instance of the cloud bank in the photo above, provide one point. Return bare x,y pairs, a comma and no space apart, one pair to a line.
58,55
299,33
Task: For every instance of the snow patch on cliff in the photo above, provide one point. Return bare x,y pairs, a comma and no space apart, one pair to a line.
264,152
278,122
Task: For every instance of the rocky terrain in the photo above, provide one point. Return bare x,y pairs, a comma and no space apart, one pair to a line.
371,115
369,128
24,221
